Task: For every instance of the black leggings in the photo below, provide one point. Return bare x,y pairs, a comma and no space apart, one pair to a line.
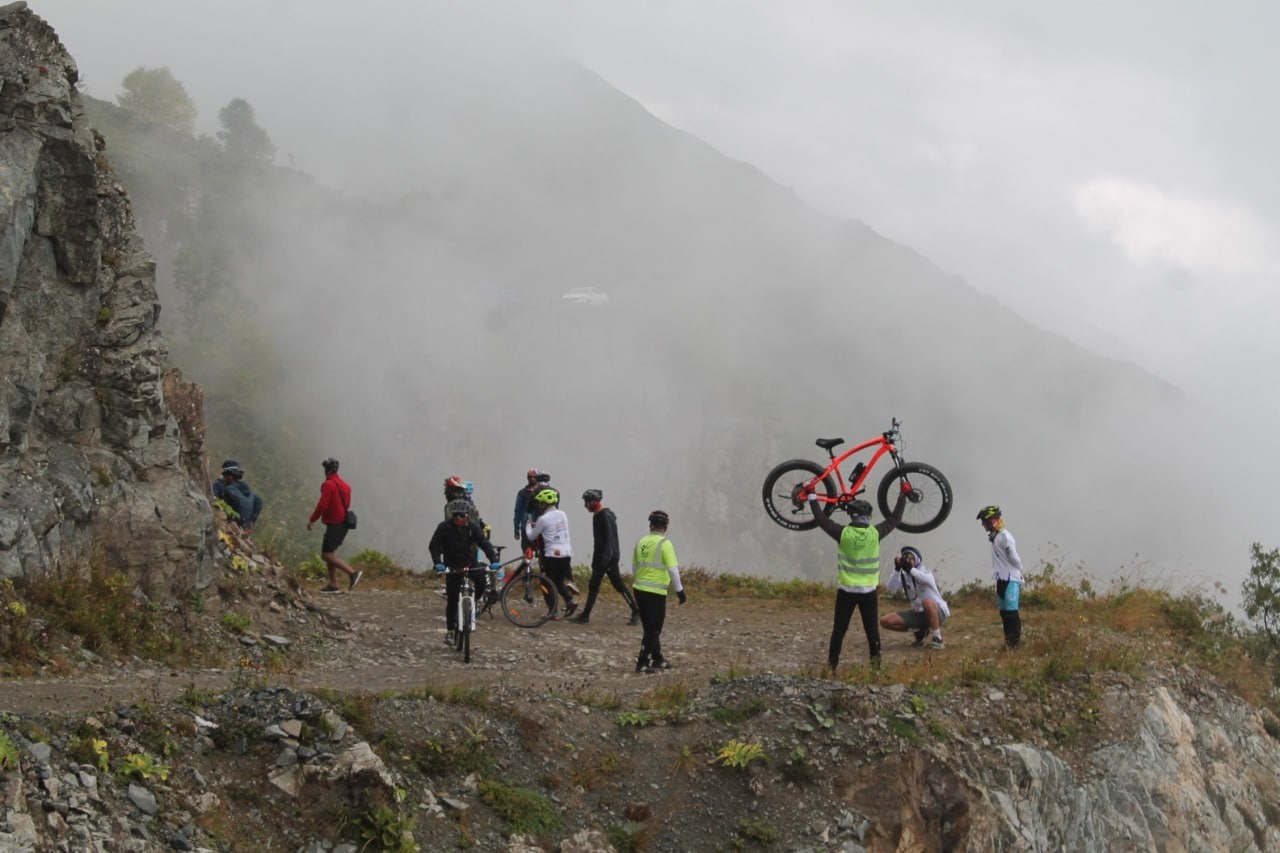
598,574
868,603
653,613
558,570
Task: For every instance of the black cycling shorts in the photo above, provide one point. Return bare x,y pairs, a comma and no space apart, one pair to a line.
334,535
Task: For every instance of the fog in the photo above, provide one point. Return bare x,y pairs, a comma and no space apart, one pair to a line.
1100,172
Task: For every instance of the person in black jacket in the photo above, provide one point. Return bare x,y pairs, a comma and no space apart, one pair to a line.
453,546
604,557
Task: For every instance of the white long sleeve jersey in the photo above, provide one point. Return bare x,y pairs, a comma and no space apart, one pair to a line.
553,527
1006,565
923,587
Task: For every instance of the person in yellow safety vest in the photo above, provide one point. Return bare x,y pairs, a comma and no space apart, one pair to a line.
859,567
655,565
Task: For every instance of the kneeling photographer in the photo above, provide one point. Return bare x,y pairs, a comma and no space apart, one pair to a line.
929,609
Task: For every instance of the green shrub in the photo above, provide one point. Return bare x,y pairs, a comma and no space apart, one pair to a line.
522,810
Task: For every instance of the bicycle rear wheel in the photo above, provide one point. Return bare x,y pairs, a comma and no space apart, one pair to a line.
529,600
929,502
782,496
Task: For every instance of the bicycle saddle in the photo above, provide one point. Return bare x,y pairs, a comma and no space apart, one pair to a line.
828,443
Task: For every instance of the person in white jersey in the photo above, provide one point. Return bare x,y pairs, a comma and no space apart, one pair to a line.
1006,568
552,525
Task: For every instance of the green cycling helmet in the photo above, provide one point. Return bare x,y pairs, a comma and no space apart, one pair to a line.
547,497
988,512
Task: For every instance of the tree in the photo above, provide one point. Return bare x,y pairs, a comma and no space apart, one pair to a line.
157,96
1262,592
241,135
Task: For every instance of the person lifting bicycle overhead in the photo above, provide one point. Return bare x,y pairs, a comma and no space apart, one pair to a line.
453,548
552,526
858,558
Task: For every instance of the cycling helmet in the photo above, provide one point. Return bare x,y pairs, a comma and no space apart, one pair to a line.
330,465
459,507
988,512
859,507
543,477
658,518
592,495
229,463
547,497
909,549
234,470
454,482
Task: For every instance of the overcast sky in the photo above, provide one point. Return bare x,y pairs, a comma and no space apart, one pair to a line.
1105,169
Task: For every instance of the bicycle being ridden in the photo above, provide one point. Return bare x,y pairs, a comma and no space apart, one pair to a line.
453,549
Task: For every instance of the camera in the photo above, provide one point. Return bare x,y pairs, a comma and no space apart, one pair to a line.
899,563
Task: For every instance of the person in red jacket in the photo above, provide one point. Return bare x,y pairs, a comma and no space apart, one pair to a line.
335,500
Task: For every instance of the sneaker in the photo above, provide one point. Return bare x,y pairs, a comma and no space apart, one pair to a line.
662,664
920,638
331,590
355,579
937,644
450,638
442,592
642,665
581,619
570,609
634,620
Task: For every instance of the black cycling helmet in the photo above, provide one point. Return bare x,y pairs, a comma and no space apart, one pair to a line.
330,465
459,507
229,463
988,512
234,470
542,477
858,507
592,495
658,518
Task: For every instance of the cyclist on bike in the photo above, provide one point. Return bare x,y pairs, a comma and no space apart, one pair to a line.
536,481
453,548
552,526
605,556
1006,569
656,568
858,560
929,609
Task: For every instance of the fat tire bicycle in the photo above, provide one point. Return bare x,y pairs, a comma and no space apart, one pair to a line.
528,598
929,496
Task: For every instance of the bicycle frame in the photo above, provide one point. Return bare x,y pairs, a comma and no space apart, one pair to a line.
885,445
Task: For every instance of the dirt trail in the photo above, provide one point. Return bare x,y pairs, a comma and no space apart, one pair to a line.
394,641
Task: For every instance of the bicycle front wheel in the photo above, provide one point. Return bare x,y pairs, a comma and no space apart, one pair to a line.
782,495
928,502
529,600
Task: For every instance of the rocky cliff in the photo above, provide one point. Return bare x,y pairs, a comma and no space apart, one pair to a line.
1180,766
100,442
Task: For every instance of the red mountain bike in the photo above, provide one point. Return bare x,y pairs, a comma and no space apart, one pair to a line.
928,492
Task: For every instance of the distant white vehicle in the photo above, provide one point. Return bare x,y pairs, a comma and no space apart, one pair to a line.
586,296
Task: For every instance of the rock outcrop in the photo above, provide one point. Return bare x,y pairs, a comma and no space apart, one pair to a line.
95,467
